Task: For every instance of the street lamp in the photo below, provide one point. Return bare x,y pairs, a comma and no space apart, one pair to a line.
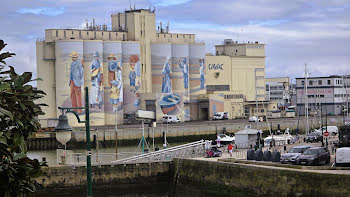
63,134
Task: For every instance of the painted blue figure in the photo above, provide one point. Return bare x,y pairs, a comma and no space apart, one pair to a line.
96,82
184,68
214,108
166,84
201,72
132,75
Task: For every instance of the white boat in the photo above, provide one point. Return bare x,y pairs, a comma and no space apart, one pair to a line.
225,139
279,140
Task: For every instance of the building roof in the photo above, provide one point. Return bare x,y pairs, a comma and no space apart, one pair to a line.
247,132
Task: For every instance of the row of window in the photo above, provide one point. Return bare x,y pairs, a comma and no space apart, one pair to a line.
316,82
171,35
341,95
218,87
233,96
313,96
87,33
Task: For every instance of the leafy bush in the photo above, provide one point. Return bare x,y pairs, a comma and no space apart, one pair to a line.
18,121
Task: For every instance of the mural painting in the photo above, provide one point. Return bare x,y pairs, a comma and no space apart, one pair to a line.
96,98
76,80
115,82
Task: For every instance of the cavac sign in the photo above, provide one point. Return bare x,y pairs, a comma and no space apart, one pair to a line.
215,66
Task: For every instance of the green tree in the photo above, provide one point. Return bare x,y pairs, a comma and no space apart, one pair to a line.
18,121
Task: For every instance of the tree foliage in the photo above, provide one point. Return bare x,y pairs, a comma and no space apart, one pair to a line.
18,121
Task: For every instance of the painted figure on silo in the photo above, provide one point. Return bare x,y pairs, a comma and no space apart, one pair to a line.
201,72
166,83
76,80
184,67
133,72
96,82
115,81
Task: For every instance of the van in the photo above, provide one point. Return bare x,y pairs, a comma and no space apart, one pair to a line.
342,156
332,130
220,116
170,118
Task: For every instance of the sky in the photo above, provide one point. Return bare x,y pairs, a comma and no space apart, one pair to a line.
298,32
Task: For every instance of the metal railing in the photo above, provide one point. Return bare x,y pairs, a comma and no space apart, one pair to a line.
193,149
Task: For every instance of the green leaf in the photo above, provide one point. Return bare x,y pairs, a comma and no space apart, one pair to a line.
6,112
5,86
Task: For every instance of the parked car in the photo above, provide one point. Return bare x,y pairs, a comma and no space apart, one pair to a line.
332,130
253,119
170,118
213,152
342,156
220,116
293,154
315,136
314,156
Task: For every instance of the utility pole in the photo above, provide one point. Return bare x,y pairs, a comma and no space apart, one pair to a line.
306,103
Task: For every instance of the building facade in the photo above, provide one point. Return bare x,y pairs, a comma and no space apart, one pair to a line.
278,90
327,94
138,66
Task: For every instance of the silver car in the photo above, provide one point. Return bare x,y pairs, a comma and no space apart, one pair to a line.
293,154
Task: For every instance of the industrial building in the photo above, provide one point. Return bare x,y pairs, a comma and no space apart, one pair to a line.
330,95
136,65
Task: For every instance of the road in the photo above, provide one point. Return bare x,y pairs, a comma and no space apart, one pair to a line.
275,121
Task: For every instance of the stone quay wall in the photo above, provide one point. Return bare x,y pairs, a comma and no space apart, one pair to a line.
264,181
217,177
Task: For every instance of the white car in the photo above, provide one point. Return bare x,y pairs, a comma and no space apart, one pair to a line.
220,116
170,118
253,119
342,156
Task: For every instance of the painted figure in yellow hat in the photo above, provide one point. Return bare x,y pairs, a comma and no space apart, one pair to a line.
115,81
96,82
76,80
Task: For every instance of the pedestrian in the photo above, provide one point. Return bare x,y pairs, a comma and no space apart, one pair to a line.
218,138
230,149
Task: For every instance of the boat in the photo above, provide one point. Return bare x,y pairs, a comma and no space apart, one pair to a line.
225,139
168,103
279,140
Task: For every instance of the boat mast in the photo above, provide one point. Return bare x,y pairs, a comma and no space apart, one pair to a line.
306,103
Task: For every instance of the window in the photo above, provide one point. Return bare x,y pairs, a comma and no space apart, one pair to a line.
319,82
310,82
64,33
218,87
321,96
56,33
329,82
302,82
262,110
72,32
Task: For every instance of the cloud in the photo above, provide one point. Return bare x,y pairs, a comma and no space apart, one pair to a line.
165,3
41,11
295,32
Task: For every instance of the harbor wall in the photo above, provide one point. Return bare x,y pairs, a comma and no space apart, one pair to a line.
221,177
57,181
182,177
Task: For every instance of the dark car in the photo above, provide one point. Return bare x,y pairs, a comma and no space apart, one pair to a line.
293,154
314,137
314,156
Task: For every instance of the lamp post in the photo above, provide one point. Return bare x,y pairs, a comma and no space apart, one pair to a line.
63,129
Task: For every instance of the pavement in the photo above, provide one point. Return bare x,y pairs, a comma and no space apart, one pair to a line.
327,170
